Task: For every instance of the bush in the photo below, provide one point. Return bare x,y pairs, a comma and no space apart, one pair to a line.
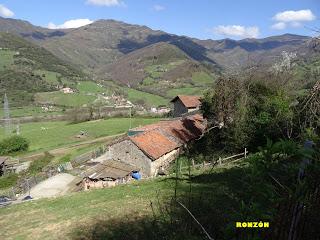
38,165
13,144
8,180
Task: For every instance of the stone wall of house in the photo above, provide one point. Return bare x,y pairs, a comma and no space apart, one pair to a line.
88,184
164,161
179,108
128,152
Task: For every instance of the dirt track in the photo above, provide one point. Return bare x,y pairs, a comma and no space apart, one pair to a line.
64,150
57,185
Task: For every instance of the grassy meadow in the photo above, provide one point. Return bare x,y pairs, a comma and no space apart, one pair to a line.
29,111
117,212
61,218
48,135
6,58
149,99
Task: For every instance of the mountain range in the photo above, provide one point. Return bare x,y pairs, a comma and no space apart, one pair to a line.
151,60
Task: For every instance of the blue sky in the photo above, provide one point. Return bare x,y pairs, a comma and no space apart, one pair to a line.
202,19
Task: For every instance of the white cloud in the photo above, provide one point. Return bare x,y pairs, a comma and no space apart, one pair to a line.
292,19
296,24
5,12
295,16
106,3
158,8
237,31
279,26
74,23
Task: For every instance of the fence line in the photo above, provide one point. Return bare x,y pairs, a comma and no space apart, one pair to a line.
221,161
95,153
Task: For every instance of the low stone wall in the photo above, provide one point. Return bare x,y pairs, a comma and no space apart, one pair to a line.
164,161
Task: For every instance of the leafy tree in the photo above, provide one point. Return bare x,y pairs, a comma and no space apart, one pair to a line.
13,144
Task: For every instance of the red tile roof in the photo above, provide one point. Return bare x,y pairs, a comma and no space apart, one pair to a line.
160,138
186,129
188,101
154,143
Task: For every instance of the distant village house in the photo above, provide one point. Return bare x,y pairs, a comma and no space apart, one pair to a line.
67,90
185,104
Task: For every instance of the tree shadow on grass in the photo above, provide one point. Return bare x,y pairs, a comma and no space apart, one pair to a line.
215,199
131,228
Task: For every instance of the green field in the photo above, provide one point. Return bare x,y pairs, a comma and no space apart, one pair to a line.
96,214
185,91
90,87
48,135
202,78
52,77
6,58
149,99
60,218
61,99
29,111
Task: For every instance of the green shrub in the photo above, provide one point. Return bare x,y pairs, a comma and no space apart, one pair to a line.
13,144
65,159
38,165
8,180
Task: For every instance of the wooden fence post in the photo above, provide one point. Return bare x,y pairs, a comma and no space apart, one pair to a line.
220,161
245,152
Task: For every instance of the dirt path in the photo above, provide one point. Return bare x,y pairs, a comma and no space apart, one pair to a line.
64,150
57,185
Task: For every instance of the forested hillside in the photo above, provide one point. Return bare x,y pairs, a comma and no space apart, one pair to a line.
26,68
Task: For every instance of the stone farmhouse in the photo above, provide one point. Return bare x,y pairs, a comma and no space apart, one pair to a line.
185,104
148,150
153,147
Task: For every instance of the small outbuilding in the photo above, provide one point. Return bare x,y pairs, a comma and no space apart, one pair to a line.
185,104
109,173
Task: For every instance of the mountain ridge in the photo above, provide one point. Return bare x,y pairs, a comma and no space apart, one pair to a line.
129,54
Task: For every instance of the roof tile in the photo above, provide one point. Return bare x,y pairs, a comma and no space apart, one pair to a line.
188,101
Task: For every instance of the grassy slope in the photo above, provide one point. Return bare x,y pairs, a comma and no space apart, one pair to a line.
90,213
185,91
26,69
6,58
149,99
29,111
61,133
160,68
61,99
57,218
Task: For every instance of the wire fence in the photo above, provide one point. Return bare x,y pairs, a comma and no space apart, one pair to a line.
79,160
24,185
220,161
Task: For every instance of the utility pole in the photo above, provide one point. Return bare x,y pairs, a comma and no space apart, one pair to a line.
18,128
130,118
7,120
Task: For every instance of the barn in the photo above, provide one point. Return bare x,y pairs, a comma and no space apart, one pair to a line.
108,173
185,104
153,147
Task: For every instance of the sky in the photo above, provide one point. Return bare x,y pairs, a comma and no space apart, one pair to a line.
203,19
